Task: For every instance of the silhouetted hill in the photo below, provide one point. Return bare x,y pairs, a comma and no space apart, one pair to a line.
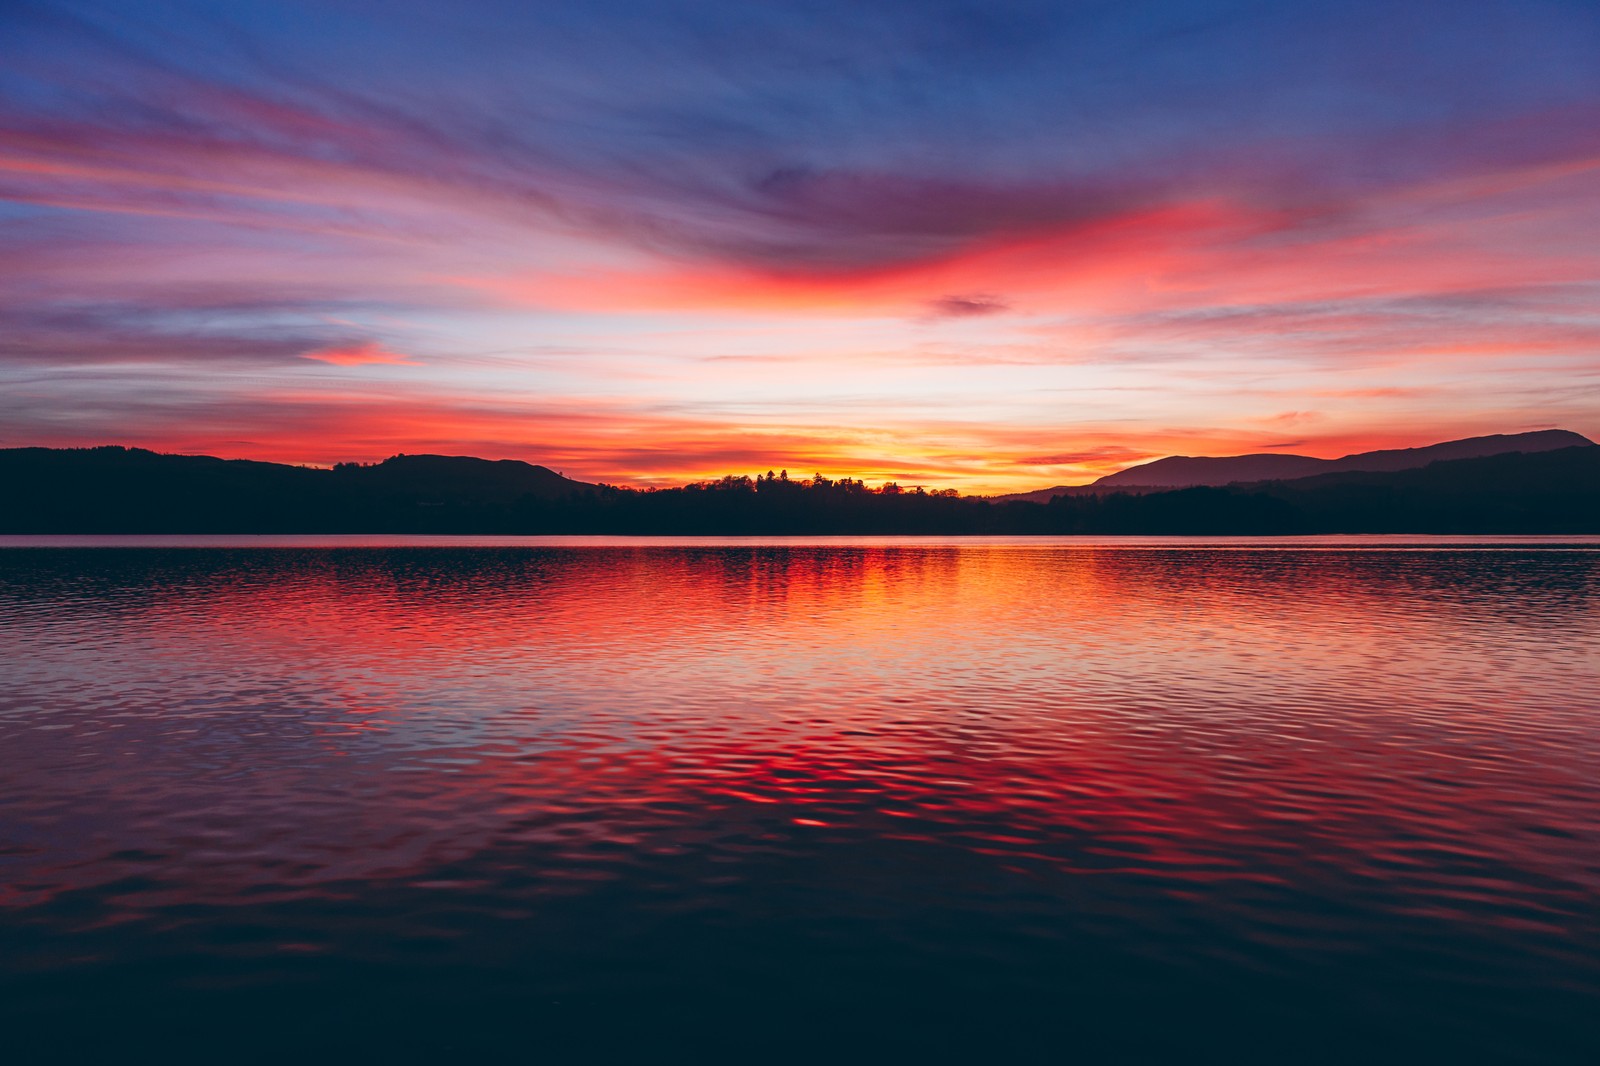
1544,440
1183,471
1542,492
117,490
462,478
1548,491
114,489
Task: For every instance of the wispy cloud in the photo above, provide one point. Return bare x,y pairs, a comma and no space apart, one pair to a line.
360,353
967,306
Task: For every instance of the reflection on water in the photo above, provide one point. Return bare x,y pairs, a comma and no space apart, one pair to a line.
767,798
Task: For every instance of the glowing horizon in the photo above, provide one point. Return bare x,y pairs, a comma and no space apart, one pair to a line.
992,250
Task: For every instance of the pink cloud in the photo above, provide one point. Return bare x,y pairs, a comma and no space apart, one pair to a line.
360,353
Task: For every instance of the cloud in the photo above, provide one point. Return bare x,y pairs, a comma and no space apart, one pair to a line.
967,306
808,138
1107,454
358,353
63,336
1291,418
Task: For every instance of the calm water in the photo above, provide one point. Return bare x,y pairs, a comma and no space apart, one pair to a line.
560,801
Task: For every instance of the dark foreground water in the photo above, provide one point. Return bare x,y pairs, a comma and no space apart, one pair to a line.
889,801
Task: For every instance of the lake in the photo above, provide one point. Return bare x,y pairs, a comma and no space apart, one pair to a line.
566,799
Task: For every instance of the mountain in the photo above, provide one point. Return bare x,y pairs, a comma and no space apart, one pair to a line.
461,478
1183,471
1512,492
1552,492
115,489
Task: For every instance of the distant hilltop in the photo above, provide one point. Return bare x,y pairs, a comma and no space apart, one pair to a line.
462,477
1183,471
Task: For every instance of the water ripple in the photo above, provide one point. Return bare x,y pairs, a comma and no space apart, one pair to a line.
937,778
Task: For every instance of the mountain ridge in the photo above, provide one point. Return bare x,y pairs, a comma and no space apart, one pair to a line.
1183,471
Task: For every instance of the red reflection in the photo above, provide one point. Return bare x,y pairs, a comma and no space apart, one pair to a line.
1193,717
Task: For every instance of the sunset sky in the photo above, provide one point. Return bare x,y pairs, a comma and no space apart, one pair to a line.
989,246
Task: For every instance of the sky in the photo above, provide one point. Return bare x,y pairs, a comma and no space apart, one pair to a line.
991,246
